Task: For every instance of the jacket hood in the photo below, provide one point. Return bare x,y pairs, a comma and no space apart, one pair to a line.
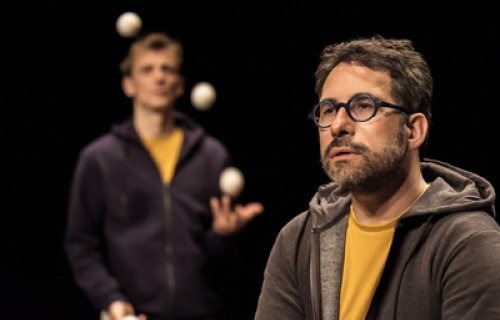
452,190
193,132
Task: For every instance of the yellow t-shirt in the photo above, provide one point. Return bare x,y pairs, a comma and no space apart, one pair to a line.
366,250
165,152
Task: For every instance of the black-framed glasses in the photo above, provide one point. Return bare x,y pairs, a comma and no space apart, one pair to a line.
360,108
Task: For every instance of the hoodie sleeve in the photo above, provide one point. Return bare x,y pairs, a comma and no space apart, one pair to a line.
281,297
83,238
471,281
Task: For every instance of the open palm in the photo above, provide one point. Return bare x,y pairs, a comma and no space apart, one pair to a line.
227,221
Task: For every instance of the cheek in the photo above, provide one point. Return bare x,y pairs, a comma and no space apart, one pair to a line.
373,135
140,87
174,84
325,138
171,78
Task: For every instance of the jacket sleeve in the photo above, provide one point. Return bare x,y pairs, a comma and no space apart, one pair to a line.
280,297
83,239
471,281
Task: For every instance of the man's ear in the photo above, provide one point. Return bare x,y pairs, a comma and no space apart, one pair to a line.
417,126
179,90
128,86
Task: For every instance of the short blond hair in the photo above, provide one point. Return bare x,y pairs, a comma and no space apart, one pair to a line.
152,41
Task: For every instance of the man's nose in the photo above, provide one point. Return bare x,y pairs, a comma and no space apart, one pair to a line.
342,124
159,75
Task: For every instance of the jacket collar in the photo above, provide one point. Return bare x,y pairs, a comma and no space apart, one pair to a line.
193,132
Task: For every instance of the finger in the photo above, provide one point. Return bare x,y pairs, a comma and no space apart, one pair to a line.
256,206
142,317
249,211
253,208
226,203
215,206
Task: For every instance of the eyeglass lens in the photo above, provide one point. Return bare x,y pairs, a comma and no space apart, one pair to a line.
361,108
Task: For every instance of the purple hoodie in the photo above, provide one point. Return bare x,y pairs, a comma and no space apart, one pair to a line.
129,237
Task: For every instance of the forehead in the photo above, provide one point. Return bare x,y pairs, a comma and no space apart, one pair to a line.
350,78
156,56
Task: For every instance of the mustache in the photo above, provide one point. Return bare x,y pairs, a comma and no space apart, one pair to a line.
346,143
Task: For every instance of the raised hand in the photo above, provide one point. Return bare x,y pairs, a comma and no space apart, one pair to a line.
227,221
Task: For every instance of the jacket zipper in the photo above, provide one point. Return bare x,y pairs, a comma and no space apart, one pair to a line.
169,250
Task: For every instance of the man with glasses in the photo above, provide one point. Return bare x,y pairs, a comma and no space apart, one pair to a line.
393,236
146,229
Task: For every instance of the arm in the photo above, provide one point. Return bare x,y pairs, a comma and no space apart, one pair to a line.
471,282
280,298
83,239
224,235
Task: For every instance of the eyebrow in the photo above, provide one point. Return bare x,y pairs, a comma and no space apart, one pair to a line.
333,100
162,66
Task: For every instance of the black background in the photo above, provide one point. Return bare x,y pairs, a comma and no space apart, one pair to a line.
60,89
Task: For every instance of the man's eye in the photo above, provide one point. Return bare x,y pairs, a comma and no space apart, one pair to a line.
328,110
167,69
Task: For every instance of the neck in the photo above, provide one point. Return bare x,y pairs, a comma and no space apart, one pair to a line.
390,201
153,123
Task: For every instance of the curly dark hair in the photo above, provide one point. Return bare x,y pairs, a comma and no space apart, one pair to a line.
410,74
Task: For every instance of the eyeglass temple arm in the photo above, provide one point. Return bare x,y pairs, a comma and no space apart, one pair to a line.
386,104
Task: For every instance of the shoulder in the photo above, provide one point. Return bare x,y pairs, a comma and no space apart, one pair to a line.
296,225
211,144
285,289
474,236
103,147
294,235
465,224
212,150
106,144
196,136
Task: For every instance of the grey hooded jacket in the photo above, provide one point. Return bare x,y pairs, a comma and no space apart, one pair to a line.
444,262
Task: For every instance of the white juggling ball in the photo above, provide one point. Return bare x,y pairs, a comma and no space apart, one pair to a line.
231,181
130,318
203,96
128,24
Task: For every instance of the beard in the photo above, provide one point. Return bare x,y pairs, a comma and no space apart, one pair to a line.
373,171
